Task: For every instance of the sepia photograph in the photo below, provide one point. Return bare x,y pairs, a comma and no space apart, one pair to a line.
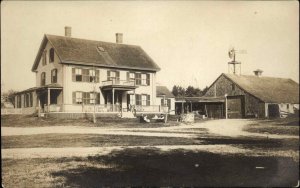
149,94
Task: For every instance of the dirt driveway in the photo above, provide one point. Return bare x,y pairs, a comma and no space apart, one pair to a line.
223,127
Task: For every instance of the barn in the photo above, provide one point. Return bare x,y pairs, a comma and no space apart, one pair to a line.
246,96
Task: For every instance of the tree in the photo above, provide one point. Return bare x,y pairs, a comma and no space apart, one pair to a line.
204,90
175,90
190,91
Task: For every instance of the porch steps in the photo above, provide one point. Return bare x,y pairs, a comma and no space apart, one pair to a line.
127,115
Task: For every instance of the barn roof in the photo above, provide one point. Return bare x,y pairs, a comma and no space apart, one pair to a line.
268,89
97,53
163,90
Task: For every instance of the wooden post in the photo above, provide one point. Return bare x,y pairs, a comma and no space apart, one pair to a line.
113,99
48,101
39,106
226,113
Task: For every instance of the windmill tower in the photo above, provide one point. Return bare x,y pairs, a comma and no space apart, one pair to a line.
234,67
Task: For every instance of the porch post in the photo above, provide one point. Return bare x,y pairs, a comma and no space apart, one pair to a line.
39,106
226,114
48,101
113,99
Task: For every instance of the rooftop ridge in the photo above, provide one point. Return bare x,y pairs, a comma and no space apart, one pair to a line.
113,43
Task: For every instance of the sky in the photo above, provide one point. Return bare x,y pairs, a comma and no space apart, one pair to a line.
189,40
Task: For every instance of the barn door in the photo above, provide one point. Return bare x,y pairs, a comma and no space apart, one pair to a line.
235,106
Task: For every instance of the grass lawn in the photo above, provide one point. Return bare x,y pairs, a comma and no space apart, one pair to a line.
33,121
288,126
88,140
151,167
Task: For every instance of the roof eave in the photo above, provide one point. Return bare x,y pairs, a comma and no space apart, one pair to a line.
108,66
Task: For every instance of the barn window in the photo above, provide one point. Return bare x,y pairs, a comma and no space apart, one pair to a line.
43,79
51,55
233,87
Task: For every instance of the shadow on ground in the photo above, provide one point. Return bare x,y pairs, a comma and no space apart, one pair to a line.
152,167
254,142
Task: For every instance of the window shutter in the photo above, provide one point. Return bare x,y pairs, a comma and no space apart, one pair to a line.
148,79
162,102
74,97
97,76
128,79
73,75
108,75
169,103
148,100
117,75
98,98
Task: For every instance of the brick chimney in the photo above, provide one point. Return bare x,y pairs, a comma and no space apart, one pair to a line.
119,38
258,72
68,31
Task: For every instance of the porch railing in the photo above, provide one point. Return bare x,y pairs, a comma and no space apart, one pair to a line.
151,108
102,108
118,82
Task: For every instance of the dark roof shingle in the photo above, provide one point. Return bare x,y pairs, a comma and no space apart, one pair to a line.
163,90
89,52
268,89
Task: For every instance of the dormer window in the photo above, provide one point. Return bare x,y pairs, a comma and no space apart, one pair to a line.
100,48
51,55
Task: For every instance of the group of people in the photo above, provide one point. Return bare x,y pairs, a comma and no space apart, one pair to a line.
157,118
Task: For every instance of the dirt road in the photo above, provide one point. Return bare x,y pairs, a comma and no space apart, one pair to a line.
229,127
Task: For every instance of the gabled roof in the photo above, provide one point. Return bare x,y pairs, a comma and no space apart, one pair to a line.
163,91
268,89
88,52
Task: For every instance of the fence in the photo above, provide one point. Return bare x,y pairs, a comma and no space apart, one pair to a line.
5,111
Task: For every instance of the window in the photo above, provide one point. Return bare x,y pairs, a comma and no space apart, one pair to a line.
138,80
130,76
43,79
113,75
288,106
86,97
54,76
138,99
44,58
93,75
146,100
51,55
144,79
92,98
78,97
233,87
130,99
78,75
